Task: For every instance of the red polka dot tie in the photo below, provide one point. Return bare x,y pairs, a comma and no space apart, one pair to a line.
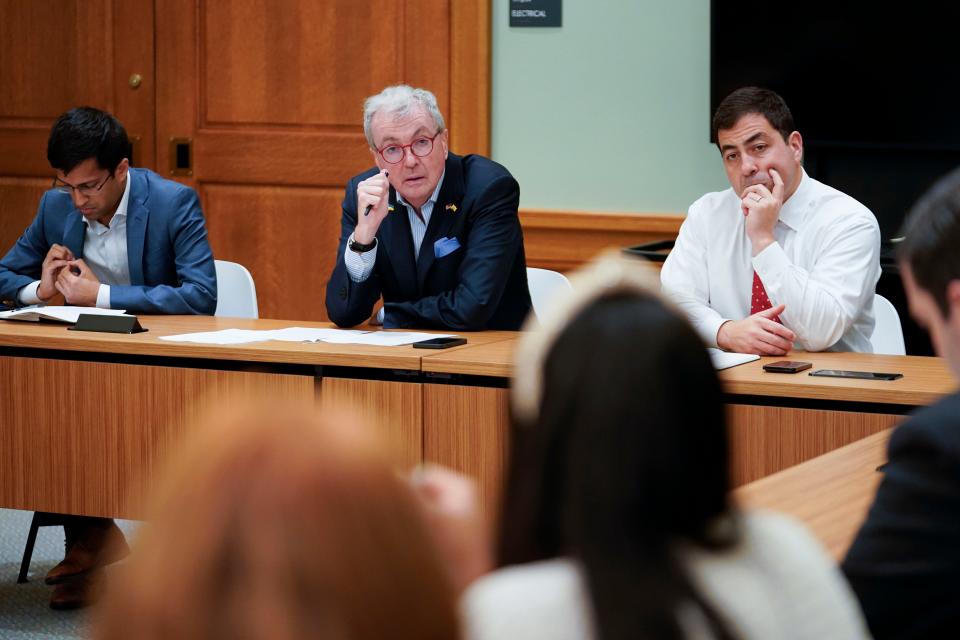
758,297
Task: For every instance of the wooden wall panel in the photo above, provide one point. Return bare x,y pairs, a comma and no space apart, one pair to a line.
45,86
469,112
564,240
394,409
18,205
135,106
296,62
76,452
58,54
426,58
287,238
765,440
466,429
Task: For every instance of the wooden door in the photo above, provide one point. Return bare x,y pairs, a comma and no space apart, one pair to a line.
58,54
268,95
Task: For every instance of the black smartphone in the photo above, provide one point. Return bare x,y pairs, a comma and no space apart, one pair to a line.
439,343
786,366
860,375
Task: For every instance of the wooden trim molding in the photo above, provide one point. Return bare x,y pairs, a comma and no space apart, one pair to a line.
564,240
469,116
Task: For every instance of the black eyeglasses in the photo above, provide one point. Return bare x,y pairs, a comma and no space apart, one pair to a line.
87,189
422,146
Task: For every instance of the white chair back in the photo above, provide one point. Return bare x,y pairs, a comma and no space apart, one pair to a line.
887,335
236,292
545,285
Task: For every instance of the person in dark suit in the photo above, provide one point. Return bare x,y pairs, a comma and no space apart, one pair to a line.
107,235
436,234
905,562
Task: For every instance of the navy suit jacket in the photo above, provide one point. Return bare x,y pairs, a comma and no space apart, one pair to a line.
480,285
904,564
171,264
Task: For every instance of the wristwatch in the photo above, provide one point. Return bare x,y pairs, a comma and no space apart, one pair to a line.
361,248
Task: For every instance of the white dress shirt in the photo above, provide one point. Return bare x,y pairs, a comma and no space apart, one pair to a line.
360,265
824,266
104,251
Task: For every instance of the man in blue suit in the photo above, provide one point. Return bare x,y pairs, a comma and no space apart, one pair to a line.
109,236
436,234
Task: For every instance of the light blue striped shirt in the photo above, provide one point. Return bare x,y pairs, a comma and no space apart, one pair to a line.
360,265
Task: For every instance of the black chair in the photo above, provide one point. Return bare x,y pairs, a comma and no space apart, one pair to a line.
40,519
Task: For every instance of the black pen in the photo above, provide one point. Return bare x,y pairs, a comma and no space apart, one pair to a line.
366,211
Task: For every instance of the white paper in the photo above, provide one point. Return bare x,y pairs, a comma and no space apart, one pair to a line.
245,336
304,334
385,338
225,336
726,359
61,314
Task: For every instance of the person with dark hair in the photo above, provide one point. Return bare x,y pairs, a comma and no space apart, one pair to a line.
778,260
436,235
110,236
904,564
616,519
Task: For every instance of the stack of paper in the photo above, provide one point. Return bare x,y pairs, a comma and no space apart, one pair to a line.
57,314
727,359
303,334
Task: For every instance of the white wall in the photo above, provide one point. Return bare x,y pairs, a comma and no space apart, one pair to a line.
609,112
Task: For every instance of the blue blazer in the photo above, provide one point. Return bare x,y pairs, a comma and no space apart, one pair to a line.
471,273
171,264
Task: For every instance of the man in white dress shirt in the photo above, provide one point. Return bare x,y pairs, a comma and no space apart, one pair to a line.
779,260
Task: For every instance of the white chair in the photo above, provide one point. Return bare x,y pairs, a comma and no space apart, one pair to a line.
236,292
545,285
887,335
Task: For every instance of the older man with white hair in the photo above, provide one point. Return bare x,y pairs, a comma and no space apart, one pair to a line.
436,234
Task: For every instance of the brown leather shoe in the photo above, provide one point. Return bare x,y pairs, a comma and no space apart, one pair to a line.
78,592
94,548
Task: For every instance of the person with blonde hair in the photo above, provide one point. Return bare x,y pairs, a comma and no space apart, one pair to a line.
282,524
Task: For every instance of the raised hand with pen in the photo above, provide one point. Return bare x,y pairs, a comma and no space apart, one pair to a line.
373,195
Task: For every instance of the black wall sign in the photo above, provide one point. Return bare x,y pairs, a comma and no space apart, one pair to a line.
535,13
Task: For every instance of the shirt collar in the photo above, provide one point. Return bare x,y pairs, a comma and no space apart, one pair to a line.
433,197
795,209
121,211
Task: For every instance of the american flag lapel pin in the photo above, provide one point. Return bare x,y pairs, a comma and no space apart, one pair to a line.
451,207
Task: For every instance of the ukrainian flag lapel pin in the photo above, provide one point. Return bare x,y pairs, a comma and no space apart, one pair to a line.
390,208
451,207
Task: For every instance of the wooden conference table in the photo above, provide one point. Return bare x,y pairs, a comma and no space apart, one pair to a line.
86,416
830,494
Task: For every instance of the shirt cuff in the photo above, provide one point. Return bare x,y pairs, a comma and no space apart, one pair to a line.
103,297
359,265
709,329
28,294
770,264
379,319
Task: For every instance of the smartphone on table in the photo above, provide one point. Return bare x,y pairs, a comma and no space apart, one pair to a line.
787,366
858,375
440,343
